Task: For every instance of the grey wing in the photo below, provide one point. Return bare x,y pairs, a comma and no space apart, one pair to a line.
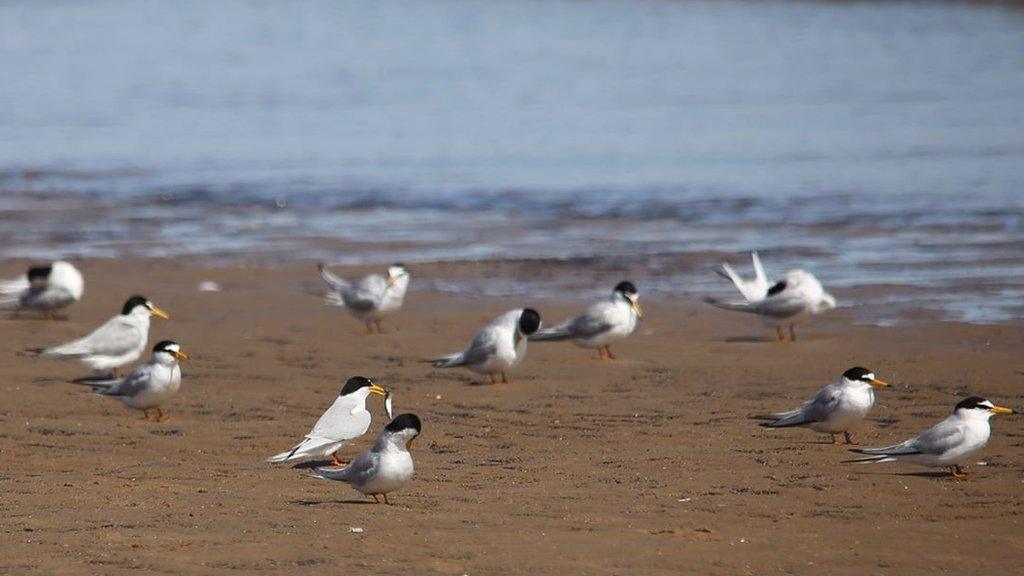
338,422
483,347
591,323
336,283
782,304
135,382
362,468
824,403
114,338
366,294
940,438
46,298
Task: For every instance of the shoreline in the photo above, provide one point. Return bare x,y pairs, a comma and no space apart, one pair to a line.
650,464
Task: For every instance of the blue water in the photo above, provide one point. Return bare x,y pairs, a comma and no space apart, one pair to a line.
875,143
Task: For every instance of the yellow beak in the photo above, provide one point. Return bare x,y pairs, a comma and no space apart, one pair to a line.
374,389
159,313
878,383
636,308
408,445
180,355
392,280
1001,410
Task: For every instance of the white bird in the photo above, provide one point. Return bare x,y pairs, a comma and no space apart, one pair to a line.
498,347
44,288
117,342
371,299
149,385
601,324
345,420
753,290
384,468
787,302
948,444
838,407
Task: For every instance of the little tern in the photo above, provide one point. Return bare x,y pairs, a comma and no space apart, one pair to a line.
788,301
384,468
117,342
948,444
601,324
345,420
838,407
371,299
44,288
498,347
149,385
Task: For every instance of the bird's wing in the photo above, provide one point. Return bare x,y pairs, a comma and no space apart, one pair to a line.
115,337
936,440
334,282
364,466
760,277
782,301
365,295
593,322
339,423
483,346
135,382
816,409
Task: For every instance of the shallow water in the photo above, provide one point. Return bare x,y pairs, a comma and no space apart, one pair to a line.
877,144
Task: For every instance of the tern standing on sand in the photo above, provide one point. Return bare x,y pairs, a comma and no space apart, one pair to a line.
786,302
149,385
371,299
601,324
498,347
838,407
117,342
948,444
387,466
44,288
345,420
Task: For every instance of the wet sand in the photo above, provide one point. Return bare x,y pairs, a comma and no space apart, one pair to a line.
651,464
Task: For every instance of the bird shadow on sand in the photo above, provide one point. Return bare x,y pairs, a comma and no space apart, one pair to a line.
747,339
320,502
936,474
309,464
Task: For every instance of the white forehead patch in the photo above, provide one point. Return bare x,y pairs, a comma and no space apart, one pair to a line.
986,404
173,348
869,376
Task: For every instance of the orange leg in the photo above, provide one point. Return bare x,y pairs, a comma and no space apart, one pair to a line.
778,332
600,353
608,349
849,439
335,461
504,380
386,499
792,333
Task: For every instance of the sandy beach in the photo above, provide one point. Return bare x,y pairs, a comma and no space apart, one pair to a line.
652,464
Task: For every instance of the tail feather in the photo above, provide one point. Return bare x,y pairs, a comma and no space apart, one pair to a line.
869,459
553,334
331,473
449,361
788,419
733,306
32,352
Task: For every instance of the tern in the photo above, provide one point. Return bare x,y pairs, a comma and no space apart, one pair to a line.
788,301
44,288
117,342
345,420
838,407
601,324
371,299
148,386
498,347
384,468
948,444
